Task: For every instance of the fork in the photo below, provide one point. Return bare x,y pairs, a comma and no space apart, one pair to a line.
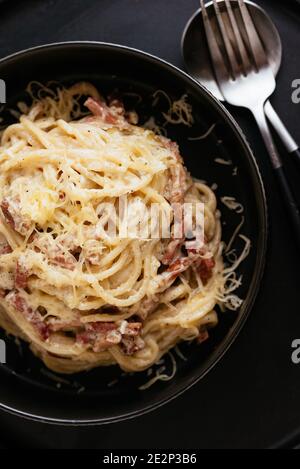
246,80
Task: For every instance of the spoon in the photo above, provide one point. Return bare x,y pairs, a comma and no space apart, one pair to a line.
198,63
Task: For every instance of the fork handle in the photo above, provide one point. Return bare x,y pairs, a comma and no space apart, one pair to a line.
286,192
285,136
291,146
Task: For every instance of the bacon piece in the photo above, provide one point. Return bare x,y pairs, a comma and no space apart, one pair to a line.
42,328
100,109
4,246
102,327
206,269
7,215
65,260
112,114
102,335
178,266
131,344
19,303
2,293
204,266
181,265
178,184
56,254
13,217
5,249
172,251
176,191
21,276
131,328
178,174
33,317
56,326
131,340
94,328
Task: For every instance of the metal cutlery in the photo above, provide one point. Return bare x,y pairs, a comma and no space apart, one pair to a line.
246,79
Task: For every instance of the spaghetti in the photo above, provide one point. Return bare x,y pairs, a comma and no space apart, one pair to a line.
83,299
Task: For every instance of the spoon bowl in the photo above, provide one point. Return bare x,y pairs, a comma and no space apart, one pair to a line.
196,54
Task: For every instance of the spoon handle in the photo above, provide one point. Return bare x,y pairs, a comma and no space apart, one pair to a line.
286,138
286,192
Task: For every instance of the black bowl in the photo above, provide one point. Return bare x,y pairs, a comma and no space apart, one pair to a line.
27,389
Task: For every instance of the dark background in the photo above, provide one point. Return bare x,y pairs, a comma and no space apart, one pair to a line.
252,397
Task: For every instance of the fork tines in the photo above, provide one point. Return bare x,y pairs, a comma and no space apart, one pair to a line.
239,38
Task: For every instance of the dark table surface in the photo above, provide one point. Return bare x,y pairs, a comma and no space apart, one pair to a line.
252,397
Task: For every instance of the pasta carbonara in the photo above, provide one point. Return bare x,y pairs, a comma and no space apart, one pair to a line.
80,297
